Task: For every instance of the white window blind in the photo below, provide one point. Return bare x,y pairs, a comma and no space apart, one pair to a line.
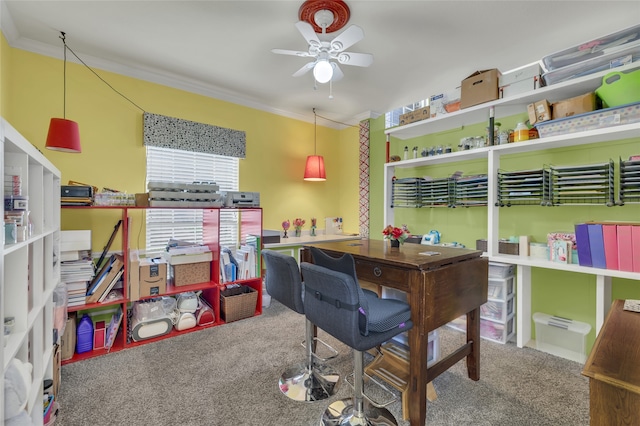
172,165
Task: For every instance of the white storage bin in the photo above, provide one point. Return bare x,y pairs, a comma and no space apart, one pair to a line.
561,336
499,332
433,348
500,288
501,270
497,310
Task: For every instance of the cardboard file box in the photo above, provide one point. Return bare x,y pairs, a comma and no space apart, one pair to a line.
521,80
191,273
574,106
479,87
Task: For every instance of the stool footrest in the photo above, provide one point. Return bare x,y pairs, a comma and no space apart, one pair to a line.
381,386
331,349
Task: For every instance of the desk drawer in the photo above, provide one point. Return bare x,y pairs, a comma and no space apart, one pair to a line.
383,274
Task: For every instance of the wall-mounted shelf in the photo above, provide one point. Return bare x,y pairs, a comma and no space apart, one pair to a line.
492,155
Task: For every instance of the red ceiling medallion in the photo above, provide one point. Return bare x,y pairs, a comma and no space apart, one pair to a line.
339,9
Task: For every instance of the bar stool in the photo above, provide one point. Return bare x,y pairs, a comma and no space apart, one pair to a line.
310,380
333,302
345,264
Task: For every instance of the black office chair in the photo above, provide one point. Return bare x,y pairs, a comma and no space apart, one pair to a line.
333,301
310,380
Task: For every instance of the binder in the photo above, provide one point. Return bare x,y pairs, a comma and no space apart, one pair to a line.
625,246
610,239
582,244
635,247
596,244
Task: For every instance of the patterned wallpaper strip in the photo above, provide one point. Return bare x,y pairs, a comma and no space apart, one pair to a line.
168,132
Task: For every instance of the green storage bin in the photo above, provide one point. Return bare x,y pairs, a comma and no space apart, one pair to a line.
620,88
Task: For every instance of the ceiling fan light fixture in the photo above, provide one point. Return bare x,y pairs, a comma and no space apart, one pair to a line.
323,71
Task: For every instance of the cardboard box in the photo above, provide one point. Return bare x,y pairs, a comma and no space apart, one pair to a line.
574,106
142,200
539,111
445,102
68,339
413,116
147,277
153,277
520,80
191,273
479,87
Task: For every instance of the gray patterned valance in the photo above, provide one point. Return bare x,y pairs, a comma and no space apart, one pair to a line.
169,132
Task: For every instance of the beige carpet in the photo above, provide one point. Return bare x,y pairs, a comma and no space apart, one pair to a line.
228,376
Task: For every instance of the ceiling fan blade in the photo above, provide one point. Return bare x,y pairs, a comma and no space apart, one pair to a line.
357,59
305,69
348,38
290,52
337,72
308,33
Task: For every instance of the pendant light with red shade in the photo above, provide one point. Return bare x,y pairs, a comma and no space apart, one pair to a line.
314,170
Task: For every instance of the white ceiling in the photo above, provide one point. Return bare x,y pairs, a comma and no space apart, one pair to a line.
223,48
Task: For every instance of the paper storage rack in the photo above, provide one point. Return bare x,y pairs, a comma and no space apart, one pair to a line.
471,191
524,187
419,192
629,182
584,184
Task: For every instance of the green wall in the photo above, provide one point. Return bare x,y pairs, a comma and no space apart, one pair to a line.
558,293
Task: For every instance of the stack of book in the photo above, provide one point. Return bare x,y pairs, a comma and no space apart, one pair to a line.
76,266
106,279
76,274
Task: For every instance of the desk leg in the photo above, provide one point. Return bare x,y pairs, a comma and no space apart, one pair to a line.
473,336
417,377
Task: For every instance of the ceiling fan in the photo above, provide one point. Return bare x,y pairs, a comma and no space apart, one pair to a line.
327,55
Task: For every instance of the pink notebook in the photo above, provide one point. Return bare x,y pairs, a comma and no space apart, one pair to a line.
609,235
635,250
625,256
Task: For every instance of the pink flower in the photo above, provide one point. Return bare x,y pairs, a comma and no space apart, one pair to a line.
286,224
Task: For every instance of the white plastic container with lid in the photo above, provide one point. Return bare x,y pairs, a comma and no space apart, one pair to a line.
521,133
562,337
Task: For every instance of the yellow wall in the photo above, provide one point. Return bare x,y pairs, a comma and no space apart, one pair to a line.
113,155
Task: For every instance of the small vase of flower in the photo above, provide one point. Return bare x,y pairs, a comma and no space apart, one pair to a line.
313,226
395,235
285,226
298,224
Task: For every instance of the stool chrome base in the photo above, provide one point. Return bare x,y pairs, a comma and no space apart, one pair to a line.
303,384
341,413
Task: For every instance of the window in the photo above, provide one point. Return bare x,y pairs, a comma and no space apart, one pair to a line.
172,165
392,118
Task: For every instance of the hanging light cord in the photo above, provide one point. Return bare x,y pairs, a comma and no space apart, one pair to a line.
64,76
315,131
90,69
334,121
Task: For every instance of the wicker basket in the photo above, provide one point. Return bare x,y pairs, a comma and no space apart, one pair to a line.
237,303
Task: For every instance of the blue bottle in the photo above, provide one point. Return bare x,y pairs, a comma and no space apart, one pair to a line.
84,342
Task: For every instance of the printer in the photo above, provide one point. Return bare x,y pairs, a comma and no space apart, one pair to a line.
241,199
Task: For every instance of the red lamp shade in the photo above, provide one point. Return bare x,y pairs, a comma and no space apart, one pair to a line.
64,135
314,171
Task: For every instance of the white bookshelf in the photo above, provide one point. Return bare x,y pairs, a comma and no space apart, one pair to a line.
30,269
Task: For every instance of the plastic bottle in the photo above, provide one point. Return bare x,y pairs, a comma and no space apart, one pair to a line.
521,133
85,335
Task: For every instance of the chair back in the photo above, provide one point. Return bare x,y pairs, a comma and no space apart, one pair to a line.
283,280
344,263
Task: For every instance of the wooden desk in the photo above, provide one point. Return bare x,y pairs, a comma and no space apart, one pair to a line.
440,288
613,368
